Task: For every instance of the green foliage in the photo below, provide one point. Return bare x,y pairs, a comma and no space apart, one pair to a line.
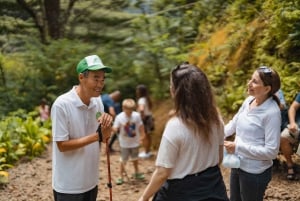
17,84
142,41
56,64
21,135
256,33
231,96
245,10
279,46
165,41
44,71
141,46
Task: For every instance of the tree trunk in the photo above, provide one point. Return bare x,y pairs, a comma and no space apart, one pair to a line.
38,20
52,11
48,18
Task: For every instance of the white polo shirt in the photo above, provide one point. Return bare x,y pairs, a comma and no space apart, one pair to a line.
74,171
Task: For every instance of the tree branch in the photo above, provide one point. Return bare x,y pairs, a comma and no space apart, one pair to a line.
35,18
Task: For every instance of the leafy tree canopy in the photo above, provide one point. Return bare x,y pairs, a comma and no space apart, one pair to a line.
142,40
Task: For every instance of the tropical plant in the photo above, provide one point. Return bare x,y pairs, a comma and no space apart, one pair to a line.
21,135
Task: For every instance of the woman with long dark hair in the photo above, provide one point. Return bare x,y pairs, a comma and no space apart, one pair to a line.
144,106
191,148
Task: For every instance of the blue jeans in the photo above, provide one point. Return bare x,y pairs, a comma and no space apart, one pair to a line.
245,186
87,196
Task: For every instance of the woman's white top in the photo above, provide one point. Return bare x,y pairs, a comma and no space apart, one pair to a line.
143,101
257,134
186,152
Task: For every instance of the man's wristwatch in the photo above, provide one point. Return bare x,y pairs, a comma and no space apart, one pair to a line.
99,133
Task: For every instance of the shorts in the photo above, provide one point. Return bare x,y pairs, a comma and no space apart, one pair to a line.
293,138
149,124
133,153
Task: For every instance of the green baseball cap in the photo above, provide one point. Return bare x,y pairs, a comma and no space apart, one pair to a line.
92,62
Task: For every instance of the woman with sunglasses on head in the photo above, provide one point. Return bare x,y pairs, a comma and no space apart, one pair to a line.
191,148
257,139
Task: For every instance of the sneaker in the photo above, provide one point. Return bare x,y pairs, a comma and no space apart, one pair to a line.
119,181
142,155
139,176
148,155
291,174
145,155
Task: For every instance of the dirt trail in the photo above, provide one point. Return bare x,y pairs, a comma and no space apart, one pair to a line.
31,181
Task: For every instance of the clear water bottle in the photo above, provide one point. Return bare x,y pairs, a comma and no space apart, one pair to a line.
230,160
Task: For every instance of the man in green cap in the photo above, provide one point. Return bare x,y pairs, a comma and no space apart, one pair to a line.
76,119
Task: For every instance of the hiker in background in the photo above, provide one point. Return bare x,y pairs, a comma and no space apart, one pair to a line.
144,106
283,110
191,148
290,136
44,110
77,134
111,106
130,126
280,95
257,136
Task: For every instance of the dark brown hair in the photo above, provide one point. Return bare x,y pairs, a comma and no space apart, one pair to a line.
142,91
194,99
270,78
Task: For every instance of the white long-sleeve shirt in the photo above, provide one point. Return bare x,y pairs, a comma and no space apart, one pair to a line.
257,134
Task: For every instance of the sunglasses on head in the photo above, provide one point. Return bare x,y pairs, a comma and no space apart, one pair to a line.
182,65
266,70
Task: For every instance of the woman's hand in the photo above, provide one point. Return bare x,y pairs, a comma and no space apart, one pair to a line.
229,146
159,176
142,199
293,127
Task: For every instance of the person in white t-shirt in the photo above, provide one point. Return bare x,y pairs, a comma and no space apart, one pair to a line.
191,148
290,136
79,124
144,106
130,126
44,110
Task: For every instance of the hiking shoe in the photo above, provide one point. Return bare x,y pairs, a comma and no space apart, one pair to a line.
291,174
139,176
145,155
119,181
142,155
